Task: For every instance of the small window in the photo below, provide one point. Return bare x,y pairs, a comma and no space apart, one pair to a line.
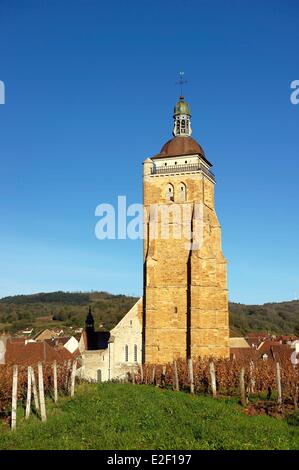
135,353
182,191
126,353
175,310
185,161
175,163
169,192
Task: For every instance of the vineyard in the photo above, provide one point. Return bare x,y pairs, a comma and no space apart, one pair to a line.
259,382
19,384
266,386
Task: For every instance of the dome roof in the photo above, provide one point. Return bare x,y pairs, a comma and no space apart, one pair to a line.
181,146
181,107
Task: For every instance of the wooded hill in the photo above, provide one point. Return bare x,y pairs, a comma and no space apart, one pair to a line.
61,309
70,308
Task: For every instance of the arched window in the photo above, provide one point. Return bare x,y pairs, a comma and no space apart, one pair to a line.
126,353
182,192
169,192
135,353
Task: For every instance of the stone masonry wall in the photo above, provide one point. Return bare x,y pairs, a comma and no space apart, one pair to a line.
186,298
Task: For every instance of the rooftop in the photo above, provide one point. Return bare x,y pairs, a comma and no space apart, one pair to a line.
179,146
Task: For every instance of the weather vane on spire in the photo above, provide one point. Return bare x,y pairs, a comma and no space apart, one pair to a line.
181,81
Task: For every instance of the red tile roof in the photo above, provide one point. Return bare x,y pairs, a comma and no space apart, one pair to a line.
273,349
29,353
240,354
56,342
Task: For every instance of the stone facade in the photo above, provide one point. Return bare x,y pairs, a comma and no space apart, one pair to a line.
127,341
185,291
122,353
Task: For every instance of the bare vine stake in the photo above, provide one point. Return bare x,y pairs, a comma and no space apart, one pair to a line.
213,379
35,396
55,381
154,375
14,397
191,379
68,366
163,375
242,387
29,393
296,397
278,381
141,373
252,379
41,392
133,377
73,378
176,377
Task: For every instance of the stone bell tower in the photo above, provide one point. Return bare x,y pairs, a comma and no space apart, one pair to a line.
185,299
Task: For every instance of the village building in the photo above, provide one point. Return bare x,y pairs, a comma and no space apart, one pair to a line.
20,351
70,343
47,334
238,342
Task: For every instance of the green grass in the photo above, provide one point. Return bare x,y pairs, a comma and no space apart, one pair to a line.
117,416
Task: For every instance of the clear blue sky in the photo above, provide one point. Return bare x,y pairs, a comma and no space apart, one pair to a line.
90,88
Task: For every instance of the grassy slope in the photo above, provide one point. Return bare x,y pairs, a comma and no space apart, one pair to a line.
115,416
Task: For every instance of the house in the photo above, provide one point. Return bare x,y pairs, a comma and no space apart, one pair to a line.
255,339
3,341
238,342
240,349
295,345
242,354
45,334
27,332
273,350
26,352
68,342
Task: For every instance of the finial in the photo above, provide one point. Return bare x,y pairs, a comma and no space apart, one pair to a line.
181,82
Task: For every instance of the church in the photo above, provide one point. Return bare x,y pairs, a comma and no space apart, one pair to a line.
184,309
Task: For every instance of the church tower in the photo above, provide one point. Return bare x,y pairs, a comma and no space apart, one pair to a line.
185,301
